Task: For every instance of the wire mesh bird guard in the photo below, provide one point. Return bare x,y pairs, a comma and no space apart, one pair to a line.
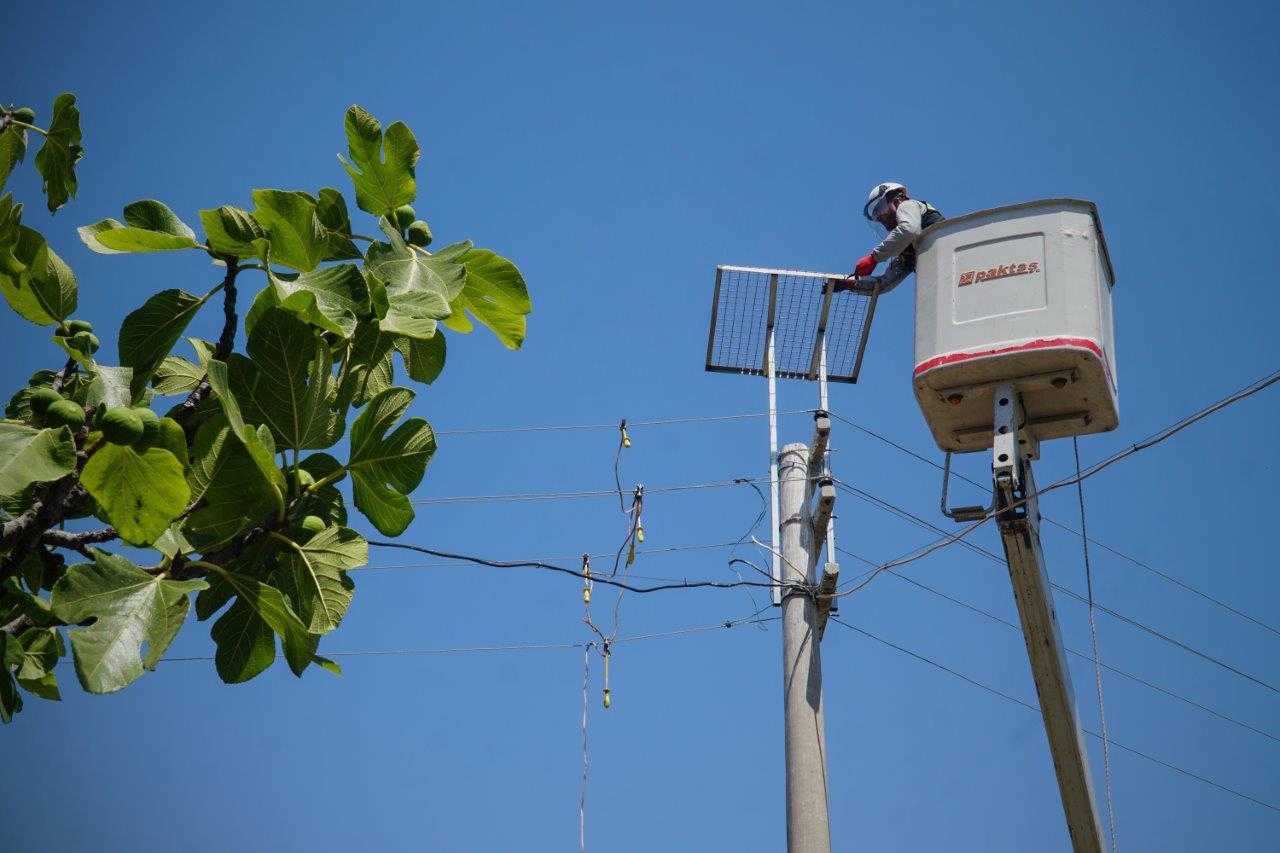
801,314
788,324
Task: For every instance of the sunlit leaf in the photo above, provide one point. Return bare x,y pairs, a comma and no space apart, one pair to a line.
329,298
56,160
44,290
232,231
139,493
149,226
129,607
495,294
319,568
296,236
149,333
386,467
382,183
419,285
29,455
287,383
423,359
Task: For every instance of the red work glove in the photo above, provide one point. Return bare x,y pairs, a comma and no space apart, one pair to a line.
865,266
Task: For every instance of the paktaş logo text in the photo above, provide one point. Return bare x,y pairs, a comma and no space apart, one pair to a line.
1002,271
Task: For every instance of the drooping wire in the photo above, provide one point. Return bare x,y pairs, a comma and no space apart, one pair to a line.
551,567
924,587
992,690
689,419
734,559
861,582
1097,467
524,497
1093,639
1165,576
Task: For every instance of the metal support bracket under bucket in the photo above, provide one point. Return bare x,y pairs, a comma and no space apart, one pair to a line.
1011,446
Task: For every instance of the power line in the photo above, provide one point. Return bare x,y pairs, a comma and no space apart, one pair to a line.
551,567
518,497
587,427
1070,593
1113,669
1069,529
520,647
1093,639
1010,698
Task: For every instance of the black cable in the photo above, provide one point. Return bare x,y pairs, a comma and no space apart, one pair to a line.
1166,764
1068,528
907,579
917,520
537,564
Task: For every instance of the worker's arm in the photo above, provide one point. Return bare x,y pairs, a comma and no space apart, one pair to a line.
893,276
904,234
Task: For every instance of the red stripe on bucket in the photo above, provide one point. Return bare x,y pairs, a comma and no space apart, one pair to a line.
1043,343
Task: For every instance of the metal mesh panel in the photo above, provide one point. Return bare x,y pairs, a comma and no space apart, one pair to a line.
745,300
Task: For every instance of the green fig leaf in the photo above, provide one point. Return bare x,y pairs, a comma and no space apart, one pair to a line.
129,607
384,467
382,183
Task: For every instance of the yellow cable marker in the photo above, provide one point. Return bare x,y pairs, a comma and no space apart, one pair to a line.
622,428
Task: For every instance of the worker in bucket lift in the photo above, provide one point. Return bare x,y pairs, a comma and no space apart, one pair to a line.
903,218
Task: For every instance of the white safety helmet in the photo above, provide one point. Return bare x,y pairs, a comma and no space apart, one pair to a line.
878,197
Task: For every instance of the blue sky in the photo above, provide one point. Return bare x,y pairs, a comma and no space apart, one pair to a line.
618,154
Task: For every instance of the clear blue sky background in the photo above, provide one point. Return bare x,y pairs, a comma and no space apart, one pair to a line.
618,155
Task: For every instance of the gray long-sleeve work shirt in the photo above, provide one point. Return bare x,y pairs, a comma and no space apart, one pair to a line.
910,213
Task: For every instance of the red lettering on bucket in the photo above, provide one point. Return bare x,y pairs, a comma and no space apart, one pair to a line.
969,277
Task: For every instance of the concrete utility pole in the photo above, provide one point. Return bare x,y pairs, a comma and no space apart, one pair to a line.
808,821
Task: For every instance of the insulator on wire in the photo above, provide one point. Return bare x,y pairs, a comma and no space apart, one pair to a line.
622,428
586,579
639,531
608,697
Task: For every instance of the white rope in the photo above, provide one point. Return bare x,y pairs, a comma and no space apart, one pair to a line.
1097,662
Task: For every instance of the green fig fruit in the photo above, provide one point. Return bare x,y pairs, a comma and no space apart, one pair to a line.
404,216
79,326
121,426
419,233
86,342
64,413
42,398
26,115
150,424
310,526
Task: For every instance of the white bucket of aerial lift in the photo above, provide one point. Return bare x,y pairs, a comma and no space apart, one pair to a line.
1017,294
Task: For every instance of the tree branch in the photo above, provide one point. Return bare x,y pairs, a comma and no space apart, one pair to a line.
62,375
78,541
21,533
226,341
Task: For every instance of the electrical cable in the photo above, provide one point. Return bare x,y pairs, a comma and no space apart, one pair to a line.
1070,593
518,647
690,419
907,579
1069,529
1093,639
955,673
586,756
577,495
538,564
